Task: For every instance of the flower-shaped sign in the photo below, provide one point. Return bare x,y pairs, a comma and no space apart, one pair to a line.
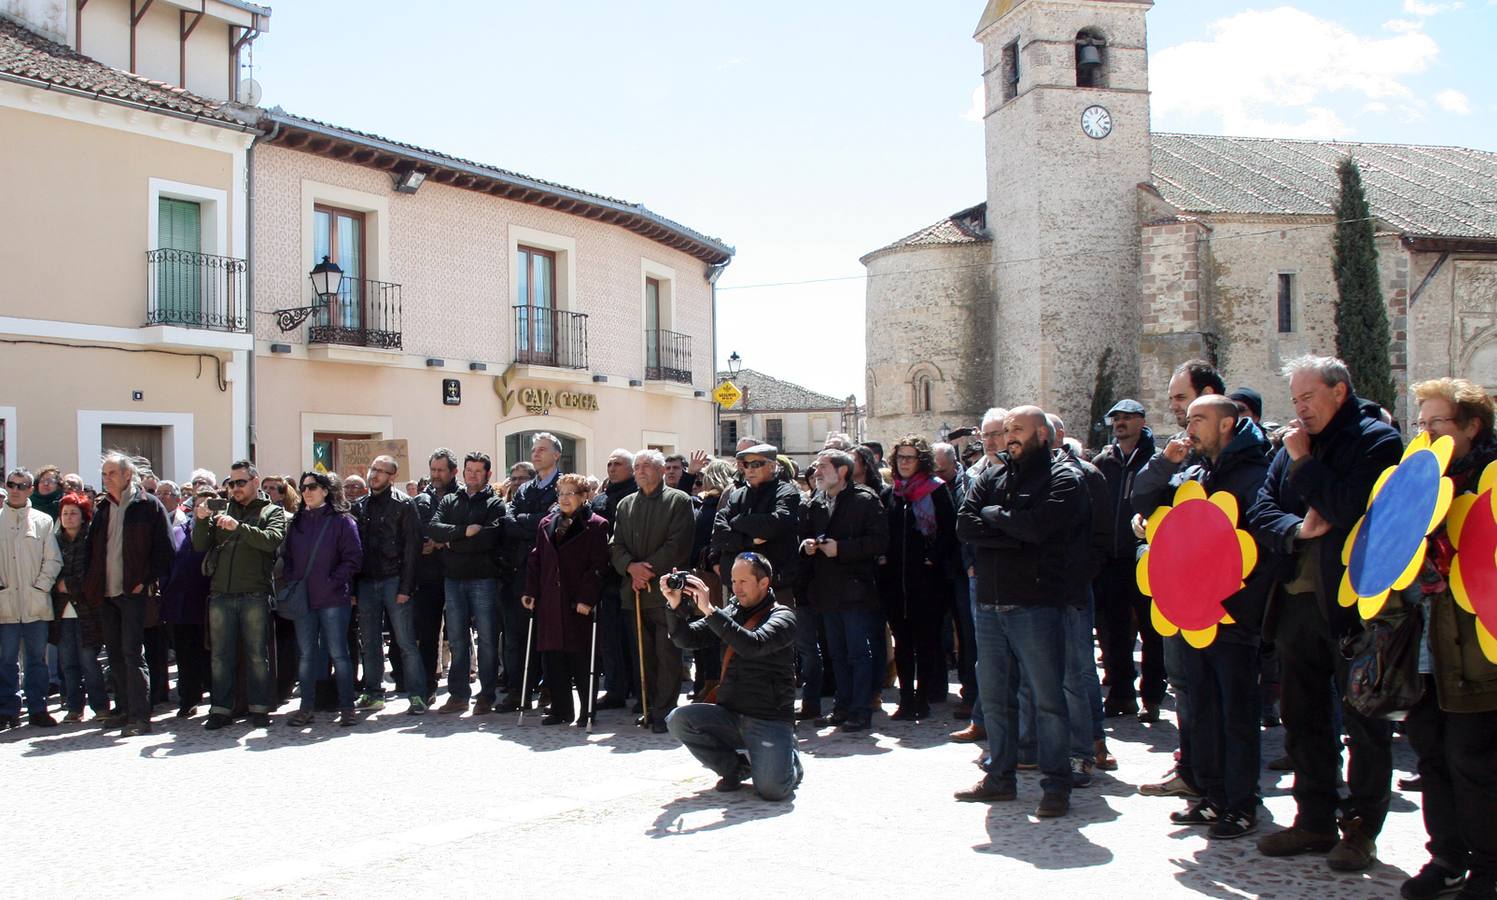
1386,547
1197,557
1472,527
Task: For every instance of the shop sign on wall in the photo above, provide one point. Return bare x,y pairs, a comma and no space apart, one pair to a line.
539,401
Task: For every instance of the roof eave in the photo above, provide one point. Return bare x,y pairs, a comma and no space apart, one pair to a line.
695,244
101,97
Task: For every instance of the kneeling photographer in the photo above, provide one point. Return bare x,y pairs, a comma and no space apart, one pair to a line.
747,727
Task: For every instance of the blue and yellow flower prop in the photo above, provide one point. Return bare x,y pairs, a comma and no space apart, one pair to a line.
1472,528
1386,547
1197,558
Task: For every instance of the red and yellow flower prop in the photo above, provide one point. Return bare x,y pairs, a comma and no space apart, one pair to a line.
1386,547
1472,528
1197,558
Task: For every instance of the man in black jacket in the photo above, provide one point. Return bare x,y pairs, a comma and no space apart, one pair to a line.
530,503
1024,519
431,589
748,729
1316,490
470,524
1223,677
845,533
1119,602
390,534
615,634
763,516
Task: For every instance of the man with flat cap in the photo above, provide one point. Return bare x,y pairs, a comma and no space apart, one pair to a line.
1116,587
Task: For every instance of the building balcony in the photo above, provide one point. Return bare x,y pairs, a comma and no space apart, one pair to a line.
550,337
364,313
667,356
185,289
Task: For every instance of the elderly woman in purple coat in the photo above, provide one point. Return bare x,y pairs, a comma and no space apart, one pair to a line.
322,550
563,583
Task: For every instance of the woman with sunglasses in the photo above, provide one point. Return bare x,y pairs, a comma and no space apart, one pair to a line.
322,551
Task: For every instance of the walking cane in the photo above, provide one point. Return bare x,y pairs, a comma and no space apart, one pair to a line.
639,638
525,673
592,674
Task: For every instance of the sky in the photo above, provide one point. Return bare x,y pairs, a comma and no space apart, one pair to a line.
806,134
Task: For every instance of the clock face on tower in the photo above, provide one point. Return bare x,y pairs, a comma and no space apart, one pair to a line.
1096,121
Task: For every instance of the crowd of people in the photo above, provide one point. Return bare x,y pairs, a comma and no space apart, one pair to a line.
1008,551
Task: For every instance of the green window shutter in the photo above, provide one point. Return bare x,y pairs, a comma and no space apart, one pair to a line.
178,284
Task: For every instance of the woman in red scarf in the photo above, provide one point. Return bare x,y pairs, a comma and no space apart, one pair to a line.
922,539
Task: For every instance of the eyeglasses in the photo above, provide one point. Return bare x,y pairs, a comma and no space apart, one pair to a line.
237,482
906,457
569,493
756,464
389,472
16,486
48,480
1427,424
311,486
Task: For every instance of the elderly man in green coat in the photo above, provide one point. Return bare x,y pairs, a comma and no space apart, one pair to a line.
652,535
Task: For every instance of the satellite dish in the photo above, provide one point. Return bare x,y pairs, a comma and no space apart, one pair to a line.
250,92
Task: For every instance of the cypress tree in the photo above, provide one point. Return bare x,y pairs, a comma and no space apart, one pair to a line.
1362,338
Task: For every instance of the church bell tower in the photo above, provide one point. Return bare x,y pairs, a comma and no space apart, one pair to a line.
1067,133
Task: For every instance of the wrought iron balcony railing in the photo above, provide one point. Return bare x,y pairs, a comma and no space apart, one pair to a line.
668,356
364,313
195,290
550,337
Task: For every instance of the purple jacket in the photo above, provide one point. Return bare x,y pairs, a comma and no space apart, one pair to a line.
337,563
184,591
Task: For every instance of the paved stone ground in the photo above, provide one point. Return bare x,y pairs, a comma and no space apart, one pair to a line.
462,807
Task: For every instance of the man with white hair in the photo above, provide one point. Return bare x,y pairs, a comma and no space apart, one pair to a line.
1315,492
130,549
652,536
529,504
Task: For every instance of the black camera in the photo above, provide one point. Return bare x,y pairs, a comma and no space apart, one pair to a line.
676,581
217,504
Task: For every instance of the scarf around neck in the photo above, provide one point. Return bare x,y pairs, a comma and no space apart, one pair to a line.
916,491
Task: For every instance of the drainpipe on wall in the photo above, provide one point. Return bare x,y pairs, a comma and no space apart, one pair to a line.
715,272
249,265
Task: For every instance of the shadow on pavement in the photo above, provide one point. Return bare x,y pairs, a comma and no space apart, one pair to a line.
736,808
1047,843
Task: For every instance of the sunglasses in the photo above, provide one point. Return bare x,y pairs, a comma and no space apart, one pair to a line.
16,485
569,494
237,482
756,464
311,486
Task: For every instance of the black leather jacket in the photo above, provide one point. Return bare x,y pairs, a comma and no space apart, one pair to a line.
390,533
430,566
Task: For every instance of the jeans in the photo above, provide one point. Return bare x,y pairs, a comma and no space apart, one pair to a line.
808,654
1175,650
476,599
240,624
976,698
431,603
1082,690
851,636
718,738
32,636
966,645
1310,657
330,628
124,621
1027,642
1459,797
377,600
82,676
1225,723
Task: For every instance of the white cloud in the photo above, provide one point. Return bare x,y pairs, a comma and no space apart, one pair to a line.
978,109
1454,101
1423,8
1281,72
1403,26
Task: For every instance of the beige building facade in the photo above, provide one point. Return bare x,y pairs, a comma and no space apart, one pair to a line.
1103,239
124,312
549,308
795,419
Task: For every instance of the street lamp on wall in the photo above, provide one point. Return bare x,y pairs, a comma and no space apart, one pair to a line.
735,363
327,282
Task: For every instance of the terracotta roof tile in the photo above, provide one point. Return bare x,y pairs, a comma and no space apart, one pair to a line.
767,393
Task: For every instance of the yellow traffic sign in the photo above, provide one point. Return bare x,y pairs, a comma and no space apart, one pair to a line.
727,394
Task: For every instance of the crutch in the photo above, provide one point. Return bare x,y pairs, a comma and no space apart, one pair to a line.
592,674
525,673
639,638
